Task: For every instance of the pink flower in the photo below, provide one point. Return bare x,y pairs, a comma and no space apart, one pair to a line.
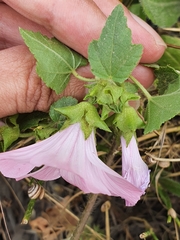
134,170
67,154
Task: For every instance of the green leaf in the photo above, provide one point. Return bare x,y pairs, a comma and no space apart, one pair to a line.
55,61
171,56
9,136
160,109
164,197
137,9
168,80
55,115
113,56
44,133
170,185
12,120
31,120
9,132
163,13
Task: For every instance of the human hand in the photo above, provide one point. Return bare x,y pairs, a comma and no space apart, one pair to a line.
76,23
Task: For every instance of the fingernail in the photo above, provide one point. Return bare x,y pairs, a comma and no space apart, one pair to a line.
156,36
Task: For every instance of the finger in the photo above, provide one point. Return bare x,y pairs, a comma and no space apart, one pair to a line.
75,23
84,23
144,75
10,23
22,90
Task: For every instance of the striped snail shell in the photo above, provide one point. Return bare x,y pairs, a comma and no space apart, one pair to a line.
36,191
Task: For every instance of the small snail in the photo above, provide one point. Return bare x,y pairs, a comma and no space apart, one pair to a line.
36,191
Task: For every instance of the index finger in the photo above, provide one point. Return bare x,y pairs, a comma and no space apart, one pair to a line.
75,23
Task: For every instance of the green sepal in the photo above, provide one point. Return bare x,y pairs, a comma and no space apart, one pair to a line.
128,96
86,114
127,122
106,94
105,112
110,96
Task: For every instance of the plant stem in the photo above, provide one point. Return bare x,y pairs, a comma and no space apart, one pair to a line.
26,135
83,78
84,217
28,212
140,86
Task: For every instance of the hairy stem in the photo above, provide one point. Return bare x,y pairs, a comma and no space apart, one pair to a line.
83,78
140,86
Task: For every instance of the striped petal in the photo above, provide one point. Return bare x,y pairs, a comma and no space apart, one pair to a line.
67,154
134,170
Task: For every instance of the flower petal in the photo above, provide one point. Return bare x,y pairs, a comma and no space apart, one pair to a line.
69,155
44,173
134,169
14,169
